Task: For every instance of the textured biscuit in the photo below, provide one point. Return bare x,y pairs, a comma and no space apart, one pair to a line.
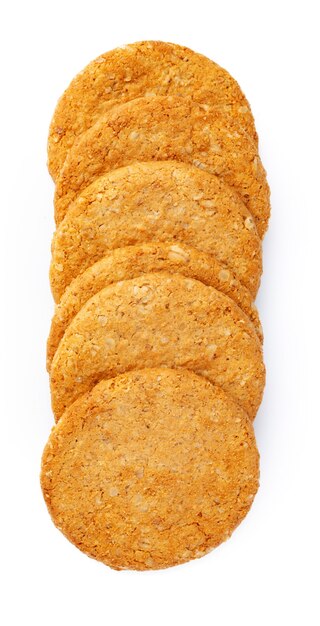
164,128
150,469
129,262
159,320
133,71
159,201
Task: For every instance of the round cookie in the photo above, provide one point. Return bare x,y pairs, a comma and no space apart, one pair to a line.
164,128
156,201
163,320
134,71
129,262
150,469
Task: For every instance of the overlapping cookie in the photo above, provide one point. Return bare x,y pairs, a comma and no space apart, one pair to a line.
137,70
156,201
159,319
150,469
161,128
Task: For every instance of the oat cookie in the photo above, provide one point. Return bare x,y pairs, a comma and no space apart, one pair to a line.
150,469
159,319
137,70
129,262
167,128
156,201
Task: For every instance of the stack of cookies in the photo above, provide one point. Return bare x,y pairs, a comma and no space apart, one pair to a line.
155,348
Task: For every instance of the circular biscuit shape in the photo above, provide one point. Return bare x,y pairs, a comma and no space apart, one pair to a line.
129,262
133,71
163,320
150,469
167,128
156,201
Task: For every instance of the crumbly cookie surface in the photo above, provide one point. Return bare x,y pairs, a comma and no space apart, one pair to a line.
150,469
131,261
163,320
167,128
156,201
133,71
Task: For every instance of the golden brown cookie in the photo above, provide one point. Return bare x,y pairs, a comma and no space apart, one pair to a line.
150,469
138,70
156,320
167,128
156,201
129,262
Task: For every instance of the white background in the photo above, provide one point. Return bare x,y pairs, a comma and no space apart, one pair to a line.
269,571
